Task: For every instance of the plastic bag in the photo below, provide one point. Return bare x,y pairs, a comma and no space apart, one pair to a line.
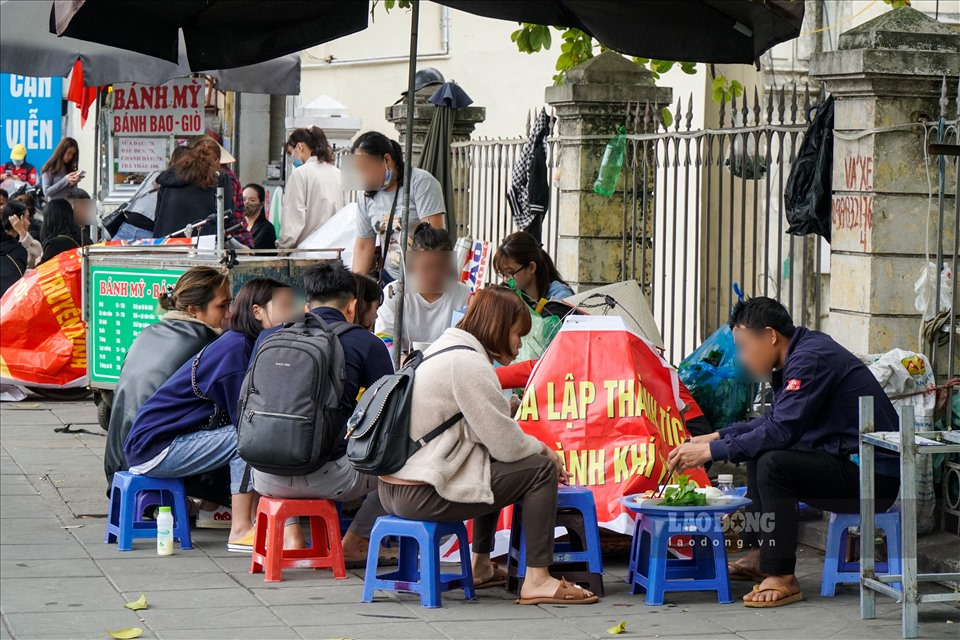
541,334
926,290
718,383
809,191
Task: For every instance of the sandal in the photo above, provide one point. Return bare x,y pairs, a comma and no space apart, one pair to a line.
567,593
788,598
498,579
740,573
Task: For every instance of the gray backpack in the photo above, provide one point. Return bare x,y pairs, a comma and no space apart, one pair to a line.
291,412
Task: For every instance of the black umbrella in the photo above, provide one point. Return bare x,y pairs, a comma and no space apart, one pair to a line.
435,156
720,31
218,34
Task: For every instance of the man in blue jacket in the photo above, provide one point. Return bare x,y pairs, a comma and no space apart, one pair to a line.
803,449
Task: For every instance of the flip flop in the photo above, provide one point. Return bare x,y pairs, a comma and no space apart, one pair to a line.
742,574
498,579
567,593
788,598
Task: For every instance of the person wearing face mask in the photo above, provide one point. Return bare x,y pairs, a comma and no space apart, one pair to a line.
194,312
18,168
379,163
314,189
264,235
432,293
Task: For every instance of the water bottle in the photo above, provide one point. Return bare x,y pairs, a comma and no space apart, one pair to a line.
725,485
611,165
164,532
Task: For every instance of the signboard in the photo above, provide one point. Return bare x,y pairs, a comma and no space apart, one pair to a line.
175,107
475,270
32,114
122,302
142,155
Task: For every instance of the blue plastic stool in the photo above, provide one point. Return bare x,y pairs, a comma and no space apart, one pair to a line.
652,570
124,524
836,570
577,511
146,499
418,539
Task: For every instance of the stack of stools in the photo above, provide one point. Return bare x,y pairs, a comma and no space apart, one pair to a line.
418,569
578,560
836,570
325,552
653,570
130,495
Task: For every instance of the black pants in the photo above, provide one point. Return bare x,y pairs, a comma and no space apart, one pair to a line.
777,480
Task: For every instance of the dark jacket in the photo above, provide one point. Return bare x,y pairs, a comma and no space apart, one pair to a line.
154,356
174,409
52,247
13,262
180,203
816,404
264,235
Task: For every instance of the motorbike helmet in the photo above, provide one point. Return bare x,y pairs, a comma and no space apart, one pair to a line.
426,77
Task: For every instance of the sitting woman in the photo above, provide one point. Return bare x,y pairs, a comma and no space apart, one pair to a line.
484,462
521,258
187,426
433,292
369,299
196,308
60,231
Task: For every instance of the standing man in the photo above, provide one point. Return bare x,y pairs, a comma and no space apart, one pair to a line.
264,235
804,448
18,168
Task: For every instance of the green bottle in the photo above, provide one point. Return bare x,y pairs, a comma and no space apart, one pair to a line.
611,164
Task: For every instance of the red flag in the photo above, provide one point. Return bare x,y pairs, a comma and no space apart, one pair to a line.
79,94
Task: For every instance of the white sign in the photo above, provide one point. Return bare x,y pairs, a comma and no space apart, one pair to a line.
175,107
142,155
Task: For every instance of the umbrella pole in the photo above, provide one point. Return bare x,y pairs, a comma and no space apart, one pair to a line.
408,172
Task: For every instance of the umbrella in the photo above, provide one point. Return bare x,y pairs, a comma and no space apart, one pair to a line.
218,34
29,49
719,31
435,157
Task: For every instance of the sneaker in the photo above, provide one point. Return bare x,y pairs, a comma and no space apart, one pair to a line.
243,545
217,519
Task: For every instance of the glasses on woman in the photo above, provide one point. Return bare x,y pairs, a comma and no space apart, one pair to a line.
507,276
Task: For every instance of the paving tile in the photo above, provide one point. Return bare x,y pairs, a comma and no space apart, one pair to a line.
302,615
215,618
34,531
178,582
341,594
28,595
67,551
393,631
486,607
292,578
195,599
50,568
232,633
119,565
523,629
74,624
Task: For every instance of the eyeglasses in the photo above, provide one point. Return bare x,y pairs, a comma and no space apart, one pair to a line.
508,276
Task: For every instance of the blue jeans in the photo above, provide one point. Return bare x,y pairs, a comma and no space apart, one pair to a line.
200,451
131,233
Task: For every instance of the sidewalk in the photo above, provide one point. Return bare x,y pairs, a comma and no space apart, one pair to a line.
59,580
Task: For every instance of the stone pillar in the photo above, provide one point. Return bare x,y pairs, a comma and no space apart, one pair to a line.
887,73
466,121
590,105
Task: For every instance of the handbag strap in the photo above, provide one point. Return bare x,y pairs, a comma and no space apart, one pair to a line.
454,419
388,232
193,376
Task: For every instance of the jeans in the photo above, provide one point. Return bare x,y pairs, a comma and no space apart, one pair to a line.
777,480
200,451
336,480
130,233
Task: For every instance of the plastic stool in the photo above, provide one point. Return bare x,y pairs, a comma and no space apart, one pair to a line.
124,524
836,570
325,552
578,560
146,499
652,570
424,577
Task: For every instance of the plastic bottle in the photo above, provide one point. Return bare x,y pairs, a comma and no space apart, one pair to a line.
611,165
164,532
725,485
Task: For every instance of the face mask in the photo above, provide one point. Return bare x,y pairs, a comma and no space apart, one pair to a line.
17,163
251,209
294,160
387,178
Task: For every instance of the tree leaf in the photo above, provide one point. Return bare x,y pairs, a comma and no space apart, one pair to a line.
720,82
535,38
666,116
718,95
126,634
139,604
617,630
547,39
736,89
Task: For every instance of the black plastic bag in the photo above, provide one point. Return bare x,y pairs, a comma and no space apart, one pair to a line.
809,190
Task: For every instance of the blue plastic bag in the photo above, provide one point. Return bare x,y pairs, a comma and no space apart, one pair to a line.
718,383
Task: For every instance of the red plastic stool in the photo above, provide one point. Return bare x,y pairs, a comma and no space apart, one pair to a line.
325,551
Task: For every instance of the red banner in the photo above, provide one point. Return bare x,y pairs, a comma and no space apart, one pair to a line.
609,404
42,336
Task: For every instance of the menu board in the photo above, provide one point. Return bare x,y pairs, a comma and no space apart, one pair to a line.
122,302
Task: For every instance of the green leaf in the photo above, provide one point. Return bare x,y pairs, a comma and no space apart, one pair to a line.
546,39
661,66
718,95
736,88
666,116
617,629
535,39
720,82
515,35
690,68
139,604
126,634
564,62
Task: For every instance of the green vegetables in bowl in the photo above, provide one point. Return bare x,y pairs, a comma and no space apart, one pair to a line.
684,495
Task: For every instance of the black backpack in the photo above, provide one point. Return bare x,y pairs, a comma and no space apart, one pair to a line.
291,412
378,432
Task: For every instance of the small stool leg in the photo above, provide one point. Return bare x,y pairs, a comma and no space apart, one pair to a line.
335,548
125,528
274,568
113,517
466,570
259,542
430,587
656,579
370,573
182,525
831,558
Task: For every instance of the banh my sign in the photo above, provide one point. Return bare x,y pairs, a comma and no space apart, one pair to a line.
173,108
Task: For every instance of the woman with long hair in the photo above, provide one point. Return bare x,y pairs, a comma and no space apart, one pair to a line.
379,163
188,425
60,231
484,462
521,258
314,190
187,192
59,174
142,207
369,300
